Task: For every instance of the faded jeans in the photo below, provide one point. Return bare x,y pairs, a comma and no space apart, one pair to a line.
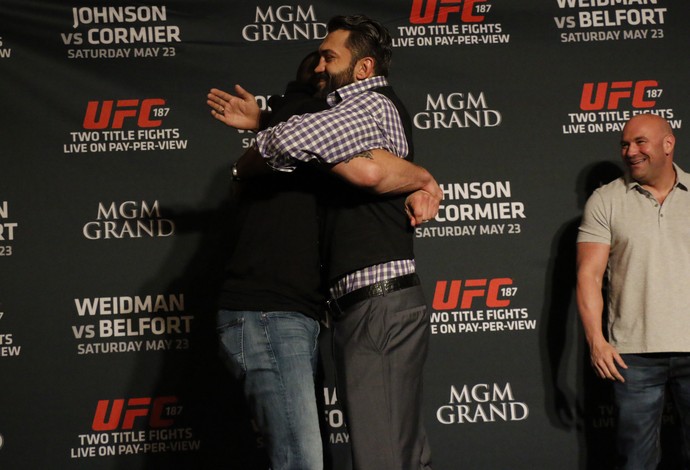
274,355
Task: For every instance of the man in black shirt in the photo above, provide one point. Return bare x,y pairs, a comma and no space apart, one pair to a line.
271,300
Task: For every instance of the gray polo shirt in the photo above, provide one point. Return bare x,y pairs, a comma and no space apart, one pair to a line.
649,263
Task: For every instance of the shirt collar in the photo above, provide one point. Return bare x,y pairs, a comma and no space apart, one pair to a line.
682,180
355,88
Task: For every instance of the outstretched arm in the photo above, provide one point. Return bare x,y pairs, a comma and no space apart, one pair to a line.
241,111
591,266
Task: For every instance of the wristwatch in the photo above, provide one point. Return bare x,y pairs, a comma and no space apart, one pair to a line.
233,172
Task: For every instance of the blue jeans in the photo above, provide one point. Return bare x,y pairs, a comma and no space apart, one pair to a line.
640,402
274,355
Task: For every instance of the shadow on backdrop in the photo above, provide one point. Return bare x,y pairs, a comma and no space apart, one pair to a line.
213,417
214,407
584,406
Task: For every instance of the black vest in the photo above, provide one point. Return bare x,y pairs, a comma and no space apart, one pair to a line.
363,229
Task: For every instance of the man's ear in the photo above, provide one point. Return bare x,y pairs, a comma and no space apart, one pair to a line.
669,143
364,68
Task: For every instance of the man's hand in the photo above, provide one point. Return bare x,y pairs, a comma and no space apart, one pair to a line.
604,359
435,191
241,111
421,207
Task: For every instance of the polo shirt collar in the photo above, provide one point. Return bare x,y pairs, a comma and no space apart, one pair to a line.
682,180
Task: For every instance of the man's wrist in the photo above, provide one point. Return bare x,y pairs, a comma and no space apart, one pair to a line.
262,121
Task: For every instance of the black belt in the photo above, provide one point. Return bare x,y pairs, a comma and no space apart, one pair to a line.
338,306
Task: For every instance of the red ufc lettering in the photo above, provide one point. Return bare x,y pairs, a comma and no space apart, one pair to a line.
421,15
448,299
125,109
611,96
136,408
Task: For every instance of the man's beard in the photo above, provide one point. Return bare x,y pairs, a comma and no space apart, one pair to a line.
341,79
320,83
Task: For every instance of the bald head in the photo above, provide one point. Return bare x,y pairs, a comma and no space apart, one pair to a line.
654,123
647,144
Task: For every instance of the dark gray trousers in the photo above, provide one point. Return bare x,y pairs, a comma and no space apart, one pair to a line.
380,346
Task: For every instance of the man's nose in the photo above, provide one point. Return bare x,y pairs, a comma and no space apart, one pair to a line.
321,66
630,150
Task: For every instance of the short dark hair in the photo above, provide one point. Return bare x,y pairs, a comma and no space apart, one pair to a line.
368,38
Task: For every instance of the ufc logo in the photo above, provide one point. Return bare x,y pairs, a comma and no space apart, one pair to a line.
125,109
439,10
464,295
609,96
122,417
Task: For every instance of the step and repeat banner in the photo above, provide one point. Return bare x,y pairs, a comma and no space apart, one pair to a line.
116,217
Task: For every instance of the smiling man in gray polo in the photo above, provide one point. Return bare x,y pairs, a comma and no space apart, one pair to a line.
636,231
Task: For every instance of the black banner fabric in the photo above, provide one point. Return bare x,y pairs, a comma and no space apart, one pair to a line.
116,217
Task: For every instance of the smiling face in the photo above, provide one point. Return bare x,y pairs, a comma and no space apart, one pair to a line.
338,63
647,149
336,60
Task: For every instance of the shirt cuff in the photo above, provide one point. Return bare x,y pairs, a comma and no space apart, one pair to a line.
277,162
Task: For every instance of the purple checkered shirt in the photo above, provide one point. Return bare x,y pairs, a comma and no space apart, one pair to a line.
359,120
367,276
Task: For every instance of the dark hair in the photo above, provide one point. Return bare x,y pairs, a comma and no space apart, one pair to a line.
368,38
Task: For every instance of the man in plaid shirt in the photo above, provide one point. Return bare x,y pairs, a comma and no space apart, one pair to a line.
381,324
